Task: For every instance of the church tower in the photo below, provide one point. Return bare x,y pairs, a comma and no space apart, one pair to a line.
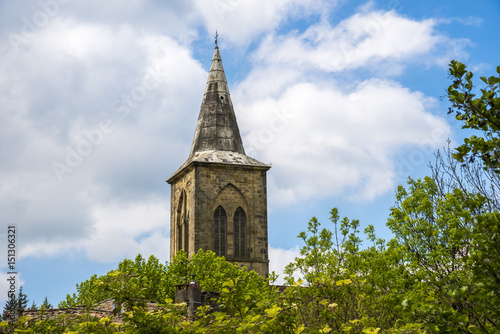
218,196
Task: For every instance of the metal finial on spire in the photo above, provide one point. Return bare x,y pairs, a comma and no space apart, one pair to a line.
216,35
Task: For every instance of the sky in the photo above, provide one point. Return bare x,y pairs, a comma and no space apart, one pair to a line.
99,102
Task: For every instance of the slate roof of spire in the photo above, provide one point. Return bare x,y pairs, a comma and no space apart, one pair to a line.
217,136
217,128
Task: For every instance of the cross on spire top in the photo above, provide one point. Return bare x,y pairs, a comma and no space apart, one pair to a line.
216,35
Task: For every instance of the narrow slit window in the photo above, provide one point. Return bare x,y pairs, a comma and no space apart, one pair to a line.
240,232
182,224
220,221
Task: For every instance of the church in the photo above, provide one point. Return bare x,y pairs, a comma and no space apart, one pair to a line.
218,195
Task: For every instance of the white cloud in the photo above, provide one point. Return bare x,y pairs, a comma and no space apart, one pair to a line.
23,22
119,231
362,39
279,258
239,21
126,230
55,92
331,136
326,143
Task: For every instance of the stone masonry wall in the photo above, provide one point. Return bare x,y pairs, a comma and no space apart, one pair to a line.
233,186
208,185
185,183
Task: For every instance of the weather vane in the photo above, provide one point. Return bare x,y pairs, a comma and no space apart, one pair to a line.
216,35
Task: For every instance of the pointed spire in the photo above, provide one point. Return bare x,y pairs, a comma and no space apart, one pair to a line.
217,137
217,129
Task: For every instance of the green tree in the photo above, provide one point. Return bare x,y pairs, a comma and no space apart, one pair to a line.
154,281
9,308
445,240
88,293
22,300
348,288
15,305
150,274
46,304
478,113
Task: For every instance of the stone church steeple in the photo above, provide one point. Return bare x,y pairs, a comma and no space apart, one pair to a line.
219,196
217,128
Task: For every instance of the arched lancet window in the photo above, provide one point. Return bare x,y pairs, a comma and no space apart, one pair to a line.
186,232
182,224
240,232
220,221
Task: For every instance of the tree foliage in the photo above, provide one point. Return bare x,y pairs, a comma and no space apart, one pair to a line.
480,113
438,236
14,306
22,299
46,303
150,274
9,308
